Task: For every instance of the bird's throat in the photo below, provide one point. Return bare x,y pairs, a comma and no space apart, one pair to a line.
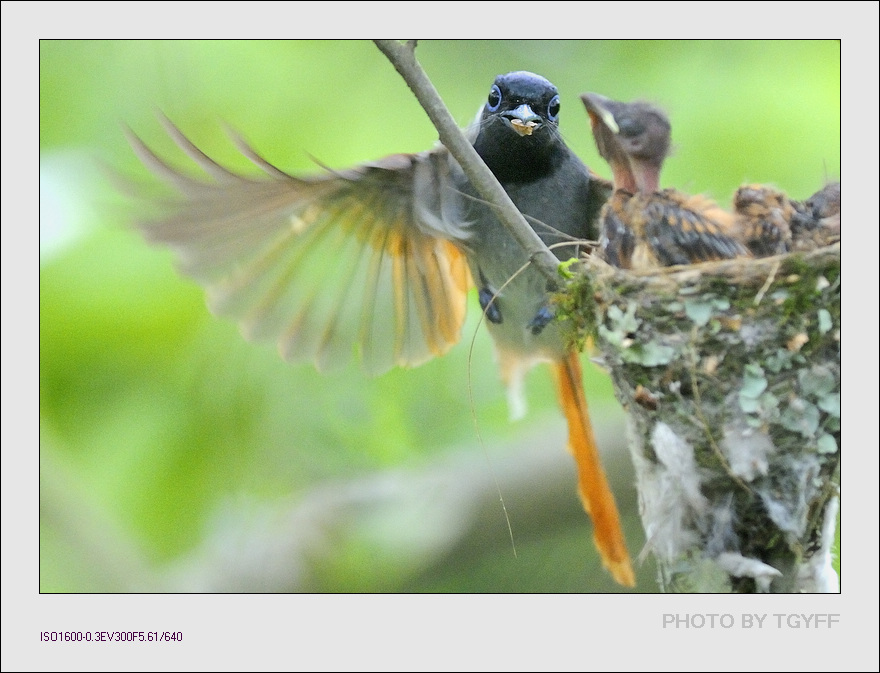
516,158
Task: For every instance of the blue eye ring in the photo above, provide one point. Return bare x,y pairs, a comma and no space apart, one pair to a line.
494,100
553,109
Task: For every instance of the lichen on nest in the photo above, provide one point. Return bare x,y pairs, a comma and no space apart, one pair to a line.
730,374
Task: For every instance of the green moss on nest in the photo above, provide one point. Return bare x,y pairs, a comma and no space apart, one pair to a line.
739,363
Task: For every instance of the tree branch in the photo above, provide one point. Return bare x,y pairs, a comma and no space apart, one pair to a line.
402,57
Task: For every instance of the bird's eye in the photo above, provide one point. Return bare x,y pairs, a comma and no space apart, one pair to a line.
494,99
553,109
630,127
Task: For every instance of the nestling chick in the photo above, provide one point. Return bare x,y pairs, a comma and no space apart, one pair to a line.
763,217
642,226
816,222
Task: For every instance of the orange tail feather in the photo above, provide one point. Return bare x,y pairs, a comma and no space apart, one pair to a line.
592,485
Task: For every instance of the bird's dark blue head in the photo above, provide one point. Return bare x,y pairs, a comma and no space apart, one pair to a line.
522,101
518,125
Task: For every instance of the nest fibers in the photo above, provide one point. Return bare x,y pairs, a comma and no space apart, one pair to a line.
730,373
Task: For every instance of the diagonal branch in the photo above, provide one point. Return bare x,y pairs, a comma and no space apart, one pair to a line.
402,57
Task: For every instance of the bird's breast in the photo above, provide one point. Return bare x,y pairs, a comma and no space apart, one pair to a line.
515,296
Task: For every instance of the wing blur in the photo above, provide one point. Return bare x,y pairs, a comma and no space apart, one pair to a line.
325,265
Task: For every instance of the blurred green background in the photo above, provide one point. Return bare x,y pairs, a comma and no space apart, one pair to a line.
174,456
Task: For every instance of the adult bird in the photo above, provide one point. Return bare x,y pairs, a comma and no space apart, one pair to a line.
382,256
644,227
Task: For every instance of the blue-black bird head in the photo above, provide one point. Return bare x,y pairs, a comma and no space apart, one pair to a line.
518,125
523,101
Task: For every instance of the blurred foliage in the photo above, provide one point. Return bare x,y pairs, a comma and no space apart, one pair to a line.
164,435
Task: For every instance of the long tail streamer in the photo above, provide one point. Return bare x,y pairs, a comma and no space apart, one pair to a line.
593,486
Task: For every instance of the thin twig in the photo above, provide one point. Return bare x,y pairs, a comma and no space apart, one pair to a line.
770,278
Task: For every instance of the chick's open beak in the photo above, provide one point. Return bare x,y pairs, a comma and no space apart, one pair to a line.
599,113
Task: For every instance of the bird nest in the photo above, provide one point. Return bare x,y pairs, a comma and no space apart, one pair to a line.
730,374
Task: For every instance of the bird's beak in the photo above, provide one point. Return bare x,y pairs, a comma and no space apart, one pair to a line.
599,113
523,120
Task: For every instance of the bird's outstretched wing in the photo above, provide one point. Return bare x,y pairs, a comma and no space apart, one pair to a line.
366,258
